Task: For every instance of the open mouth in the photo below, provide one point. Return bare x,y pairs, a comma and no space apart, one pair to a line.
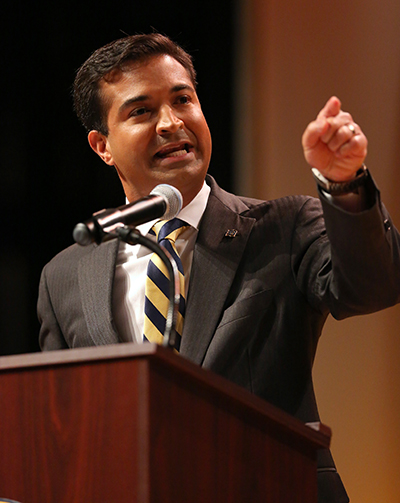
174,151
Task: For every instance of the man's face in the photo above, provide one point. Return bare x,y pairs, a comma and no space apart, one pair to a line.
157,132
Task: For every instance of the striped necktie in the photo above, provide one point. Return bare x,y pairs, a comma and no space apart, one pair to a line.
157,284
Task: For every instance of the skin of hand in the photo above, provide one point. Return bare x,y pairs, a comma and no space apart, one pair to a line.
334,144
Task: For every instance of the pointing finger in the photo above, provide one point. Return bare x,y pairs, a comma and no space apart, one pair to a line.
331,108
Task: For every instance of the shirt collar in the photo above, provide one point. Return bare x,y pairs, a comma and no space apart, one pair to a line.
191,213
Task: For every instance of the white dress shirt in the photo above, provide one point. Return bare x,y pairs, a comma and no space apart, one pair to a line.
131,270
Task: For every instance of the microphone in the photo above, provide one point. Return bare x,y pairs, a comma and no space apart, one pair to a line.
163,201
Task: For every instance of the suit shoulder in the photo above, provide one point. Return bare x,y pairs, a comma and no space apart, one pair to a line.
71,254
256,208
284,207
64,266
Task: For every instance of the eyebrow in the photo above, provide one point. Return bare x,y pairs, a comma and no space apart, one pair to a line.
145,97
181,87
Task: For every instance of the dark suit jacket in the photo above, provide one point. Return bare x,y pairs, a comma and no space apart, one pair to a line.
256,303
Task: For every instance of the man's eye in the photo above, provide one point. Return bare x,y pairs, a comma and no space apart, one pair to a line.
183,100
139,111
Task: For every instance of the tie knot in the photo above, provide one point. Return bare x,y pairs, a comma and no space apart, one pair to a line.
169,229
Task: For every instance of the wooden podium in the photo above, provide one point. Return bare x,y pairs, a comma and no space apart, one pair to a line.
140,424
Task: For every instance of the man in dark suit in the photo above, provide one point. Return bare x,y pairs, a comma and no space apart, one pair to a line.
261,277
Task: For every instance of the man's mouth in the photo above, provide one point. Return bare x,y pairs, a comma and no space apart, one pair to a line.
174,151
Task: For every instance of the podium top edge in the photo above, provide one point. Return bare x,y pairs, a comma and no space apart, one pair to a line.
76,355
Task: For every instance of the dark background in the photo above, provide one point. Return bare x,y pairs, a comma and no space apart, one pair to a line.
50,178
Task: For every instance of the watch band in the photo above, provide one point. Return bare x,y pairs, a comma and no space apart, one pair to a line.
341,188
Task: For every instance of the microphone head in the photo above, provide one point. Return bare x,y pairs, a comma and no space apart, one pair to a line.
173,199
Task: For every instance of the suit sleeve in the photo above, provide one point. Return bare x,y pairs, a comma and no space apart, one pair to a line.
351,264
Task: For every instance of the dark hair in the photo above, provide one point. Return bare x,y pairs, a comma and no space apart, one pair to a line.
89,106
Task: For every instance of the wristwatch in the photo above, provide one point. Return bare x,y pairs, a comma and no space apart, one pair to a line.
340,188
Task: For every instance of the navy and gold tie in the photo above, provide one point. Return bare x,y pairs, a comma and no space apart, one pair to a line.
157,284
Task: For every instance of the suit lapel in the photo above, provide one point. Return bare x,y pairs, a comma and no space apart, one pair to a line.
96,276
219,248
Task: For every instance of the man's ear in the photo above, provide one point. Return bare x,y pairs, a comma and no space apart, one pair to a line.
99,144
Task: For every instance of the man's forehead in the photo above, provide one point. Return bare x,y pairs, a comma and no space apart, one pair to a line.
129,69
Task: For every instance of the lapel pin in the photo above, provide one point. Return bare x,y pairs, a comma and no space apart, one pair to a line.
231,233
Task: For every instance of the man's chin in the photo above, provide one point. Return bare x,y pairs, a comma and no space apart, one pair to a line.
188,179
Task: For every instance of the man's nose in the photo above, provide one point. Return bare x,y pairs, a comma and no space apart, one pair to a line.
168,122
